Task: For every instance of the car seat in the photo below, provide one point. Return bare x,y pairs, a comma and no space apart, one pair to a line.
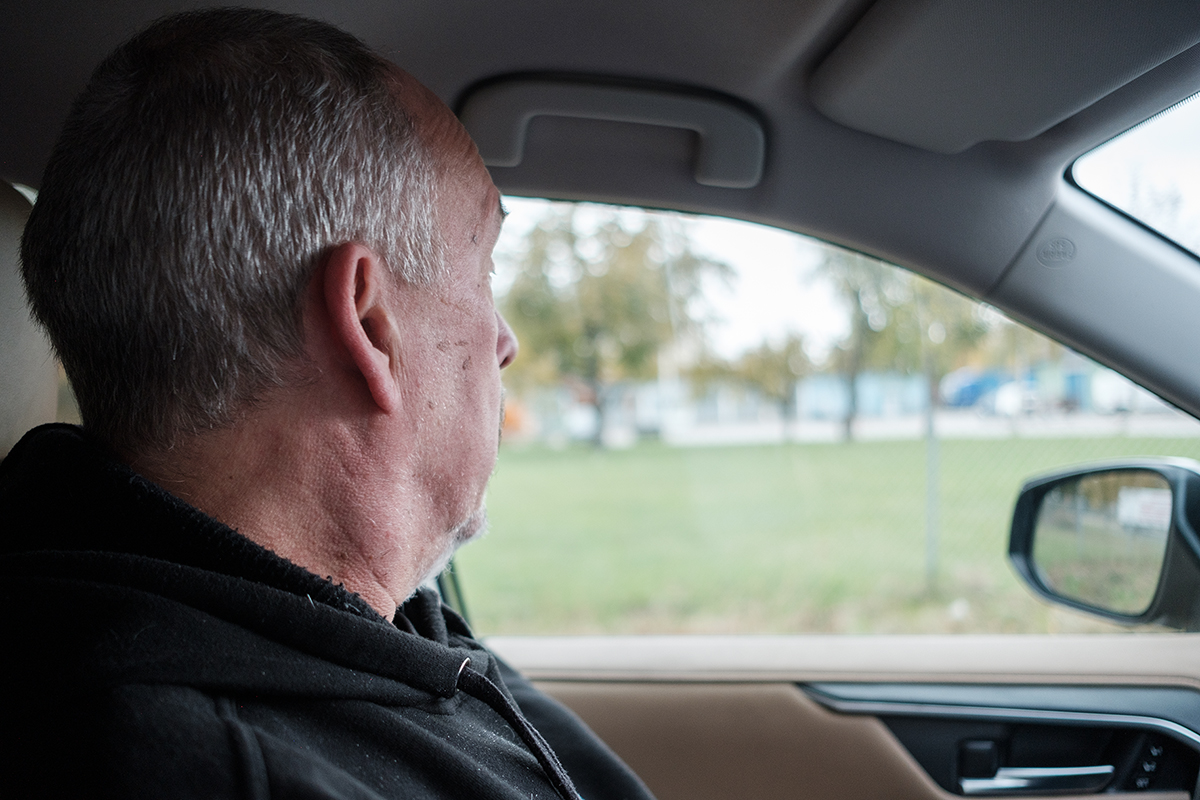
28,371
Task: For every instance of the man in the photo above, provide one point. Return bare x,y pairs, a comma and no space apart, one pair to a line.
263,255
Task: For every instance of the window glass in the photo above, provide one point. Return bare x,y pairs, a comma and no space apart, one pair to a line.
714,426
1152,173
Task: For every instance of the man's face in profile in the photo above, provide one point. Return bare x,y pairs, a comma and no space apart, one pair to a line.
458,341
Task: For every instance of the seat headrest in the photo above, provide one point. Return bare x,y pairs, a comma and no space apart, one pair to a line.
28,372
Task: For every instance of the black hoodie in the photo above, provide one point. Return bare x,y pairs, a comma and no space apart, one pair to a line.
151,651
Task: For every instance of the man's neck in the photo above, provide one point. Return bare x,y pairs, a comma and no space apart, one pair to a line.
306,490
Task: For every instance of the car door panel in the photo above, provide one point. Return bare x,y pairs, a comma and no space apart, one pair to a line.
843,717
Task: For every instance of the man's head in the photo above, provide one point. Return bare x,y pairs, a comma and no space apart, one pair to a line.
264,256
199,179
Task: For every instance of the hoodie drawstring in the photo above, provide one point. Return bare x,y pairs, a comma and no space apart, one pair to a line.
478,686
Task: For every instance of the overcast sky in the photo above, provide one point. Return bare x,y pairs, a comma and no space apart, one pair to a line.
1142,171
774,294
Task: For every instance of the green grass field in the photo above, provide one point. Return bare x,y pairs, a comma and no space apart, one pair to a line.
777,538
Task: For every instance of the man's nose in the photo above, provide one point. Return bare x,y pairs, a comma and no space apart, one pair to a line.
506,342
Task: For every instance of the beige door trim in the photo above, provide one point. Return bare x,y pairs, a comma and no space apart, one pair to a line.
1171,659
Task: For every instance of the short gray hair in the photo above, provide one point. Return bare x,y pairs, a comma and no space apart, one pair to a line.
207,167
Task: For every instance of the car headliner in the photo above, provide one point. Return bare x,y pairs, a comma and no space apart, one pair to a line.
1074,74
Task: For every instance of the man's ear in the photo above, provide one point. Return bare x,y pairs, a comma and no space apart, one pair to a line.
363,322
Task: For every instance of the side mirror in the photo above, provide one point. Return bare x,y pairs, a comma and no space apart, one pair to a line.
1117,540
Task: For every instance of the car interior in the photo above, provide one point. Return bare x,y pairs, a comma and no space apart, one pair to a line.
938,136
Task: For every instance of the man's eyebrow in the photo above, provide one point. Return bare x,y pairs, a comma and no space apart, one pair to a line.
503,210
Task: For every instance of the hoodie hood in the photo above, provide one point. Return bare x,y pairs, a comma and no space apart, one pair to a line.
149,589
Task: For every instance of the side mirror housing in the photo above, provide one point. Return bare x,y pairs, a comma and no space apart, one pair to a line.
1116,539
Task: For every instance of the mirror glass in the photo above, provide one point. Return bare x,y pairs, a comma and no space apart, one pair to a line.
1100,539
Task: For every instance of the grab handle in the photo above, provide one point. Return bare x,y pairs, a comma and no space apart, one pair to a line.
1034,780
732,144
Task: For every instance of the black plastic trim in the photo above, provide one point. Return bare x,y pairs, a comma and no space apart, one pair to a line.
1168,710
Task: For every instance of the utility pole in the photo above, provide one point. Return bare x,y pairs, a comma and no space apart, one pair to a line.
932,467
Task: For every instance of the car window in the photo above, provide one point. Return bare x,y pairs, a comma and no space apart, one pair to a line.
1152,173
683,451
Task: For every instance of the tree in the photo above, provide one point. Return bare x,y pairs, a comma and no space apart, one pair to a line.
1018,348
899,321
871,291
774,372
598,294
902,321
951,329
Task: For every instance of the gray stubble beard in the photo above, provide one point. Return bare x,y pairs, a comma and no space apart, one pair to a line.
473,527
